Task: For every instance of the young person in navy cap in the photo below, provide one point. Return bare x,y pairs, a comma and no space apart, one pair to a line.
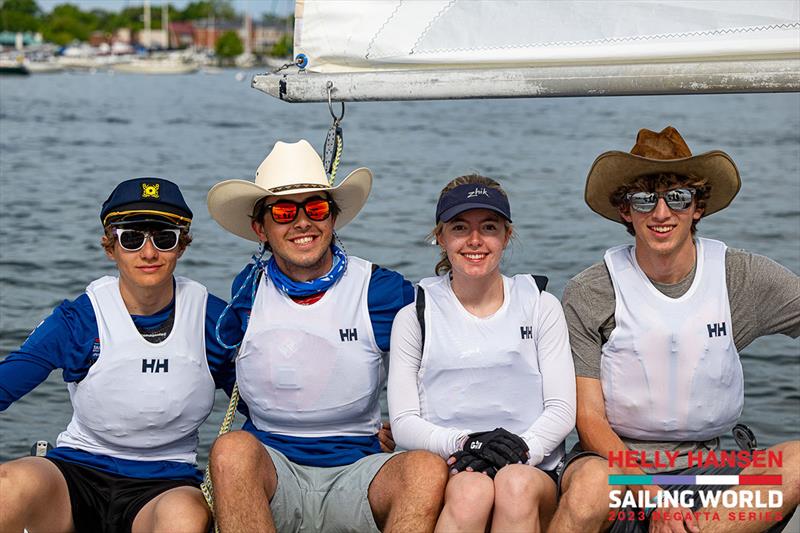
141,360
481,371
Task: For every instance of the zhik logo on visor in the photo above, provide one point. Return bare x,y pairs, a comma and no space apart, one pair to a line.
150,191
478,191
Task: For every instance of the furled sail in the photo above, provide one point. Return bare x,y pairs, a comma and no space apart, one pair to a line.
400,49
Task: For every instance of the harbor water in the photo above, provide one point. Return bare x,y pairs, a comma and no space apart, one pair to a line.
67,139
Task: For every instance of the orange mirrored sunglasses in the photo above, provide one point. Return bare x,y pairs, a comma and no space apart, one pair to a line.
286,211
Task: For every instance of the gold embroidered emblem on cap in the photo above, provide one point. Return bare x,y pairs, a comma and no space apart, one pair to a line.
150,191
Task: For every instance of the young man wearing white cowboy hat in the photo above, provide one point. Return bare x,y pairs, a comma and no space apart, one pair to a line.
141,358
316,326
656,330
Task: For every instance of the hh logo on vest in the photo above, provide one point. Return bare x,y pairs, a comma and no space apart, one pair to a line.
348,334
717,330
526,332
155,365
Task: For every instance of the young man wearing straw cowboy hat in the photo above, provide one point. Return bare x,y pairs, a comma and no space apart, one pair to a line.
140,355
316,326
656,330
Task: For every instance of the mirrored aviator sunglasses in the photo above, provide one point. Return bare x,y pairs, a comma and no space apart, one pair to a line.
286,211
676,199
132,240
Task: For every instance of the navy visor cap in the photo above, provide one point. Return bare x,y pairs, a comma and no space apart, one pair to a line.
146,200
471,196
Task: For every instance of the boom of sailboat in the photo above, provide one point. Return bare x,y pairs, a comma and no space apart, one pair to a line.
450,49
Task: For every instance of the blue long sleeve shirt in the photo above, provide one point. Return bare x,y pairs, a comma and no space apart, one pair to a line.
68,339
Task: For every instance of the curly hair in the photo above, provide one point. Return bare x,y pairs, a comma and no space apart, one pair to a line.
655,182
444,266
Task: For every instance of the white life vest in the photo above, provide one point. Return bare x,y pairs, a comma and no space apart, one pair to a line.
141,400
670,370
313,370
478,374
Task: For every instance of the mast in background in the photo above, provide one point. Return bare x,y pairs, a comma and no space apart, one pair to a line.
165,22
148,36
248,29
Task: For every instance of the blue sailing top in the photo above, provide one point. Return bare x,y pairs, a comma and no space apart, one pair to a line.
388,292
68,339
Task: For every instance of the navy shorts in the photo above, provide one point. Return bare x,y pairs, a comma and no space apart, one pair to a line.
107,503
574,454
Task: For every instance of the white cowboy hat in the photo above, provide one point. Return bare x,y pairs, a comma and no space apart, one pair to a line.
654,153
290,168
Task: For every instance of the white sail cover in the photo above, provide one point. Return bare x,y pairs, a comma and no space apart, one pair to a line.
364,35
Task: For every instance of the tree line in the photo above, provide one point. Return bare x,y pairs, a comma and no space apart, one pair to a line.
67,22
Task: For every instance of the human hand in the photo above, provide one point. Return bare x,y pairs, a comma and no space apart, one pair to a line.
462,461
385,438
499,446
662,520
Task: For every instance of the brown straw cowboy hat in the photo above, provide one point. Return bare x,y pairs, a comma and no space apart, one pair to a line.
655,153
290,168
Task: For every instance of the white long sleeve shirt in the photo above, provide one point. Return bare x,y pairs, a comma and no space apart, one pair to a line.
545,435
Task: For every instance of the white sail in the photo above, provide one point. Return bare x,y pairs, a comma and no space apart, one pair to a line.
692,44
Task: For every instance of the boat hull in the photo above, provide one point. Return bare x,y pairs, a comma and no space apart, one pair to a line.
155,67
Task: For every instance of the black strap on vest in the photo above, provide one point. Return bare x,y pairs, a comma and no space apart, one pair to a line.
421,314
541,284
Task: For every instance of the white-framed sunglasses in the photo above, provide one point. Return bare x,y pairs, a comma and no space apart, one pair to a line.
132,240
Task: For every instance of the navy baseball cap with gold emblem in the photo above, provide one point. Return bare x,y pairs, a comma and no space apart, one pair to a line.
146,200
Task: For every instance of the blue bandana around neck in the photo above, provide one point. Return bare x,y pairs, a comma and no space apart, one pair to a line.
307,288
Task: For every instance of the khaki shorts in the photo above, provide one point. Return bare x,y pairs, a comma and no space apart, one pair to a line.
333,499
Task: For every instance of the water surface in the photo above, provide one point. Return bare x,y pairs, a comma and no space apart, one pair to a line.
66,140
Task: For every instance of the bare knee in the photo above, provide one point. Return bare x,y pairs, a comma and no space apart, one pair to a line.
469,497
182,509
415,478
409,485
425,470
518,490
11,494
789,452
238,456
235,449
6,481
26,482
586,490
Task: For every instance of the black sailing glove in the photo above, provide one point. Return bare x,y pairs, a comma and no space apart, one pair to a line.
465,461
500,447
